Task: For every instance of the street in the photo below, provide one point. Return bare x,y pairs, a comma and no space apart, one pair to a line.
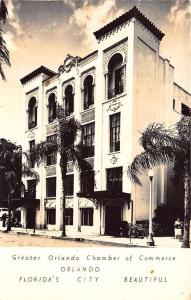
15,240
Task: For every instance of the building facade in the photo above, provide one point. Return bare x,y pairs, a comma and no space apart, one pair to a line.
115,92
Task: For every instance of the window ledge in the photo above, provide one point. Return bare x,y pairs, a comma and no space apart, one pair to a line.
47,166
70,116
88,109
53,122
115,152
115,98
31,129
50,198
70,197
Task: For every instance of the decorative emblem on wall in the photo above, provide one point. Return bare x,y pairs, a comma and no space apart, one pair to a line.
114,159
69,62
31,134
114,105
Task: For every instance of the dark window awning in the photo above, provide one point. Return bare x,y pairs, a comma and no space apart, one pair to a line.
30,203
22,202
106,195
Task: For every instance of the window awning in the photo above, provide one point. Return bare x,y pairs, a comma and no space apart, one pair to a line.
105,195
22,202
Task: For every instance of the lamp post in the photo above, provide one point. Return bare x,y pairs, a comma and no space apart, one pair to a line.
150,238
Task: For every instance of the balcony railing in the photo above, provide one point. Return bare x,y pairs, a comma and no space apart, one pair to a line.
116,91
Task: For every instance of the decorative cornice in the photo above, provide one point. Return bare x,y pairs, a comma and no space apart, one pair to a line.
88,55
88,58
37,72
133,13
69,62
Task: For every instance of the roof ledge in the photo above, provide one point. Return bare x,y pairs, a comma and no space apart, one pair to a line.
35,73
132,13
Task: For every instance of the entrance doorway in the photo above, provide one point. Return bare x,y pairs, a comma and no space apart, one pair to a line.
31,214
112,220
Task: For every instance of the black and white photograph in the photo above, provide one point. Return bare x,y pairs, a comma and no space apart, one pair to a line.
95,149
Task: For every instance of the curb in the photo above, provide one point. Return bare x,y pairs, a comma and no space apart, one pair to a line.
78,239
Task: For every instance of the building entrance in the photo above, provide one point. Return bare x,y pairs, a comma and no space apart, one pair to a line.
112,220
31,214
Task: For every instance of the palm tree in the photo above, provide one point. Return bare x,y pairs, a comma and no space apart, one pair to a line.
65,145
4,53
11,171
167,146
3,11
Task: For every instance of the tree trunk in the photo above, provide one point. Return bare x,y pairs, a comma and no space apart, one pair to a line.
9,212
63,167
187,195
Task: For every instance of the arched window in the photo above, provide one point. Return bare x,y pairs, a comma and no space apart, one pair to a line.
69,100
88,92
32,113
51,108
115,76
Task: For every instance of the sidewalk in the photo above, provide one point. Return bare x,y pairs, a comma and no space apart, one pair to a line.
103,239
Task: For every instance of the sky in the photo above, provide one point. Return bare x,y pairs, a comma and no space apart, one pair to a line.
43,32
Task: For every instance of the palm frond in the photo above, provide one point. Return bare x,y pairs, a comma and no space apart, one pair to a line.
157,136
2,73
39,152
184,131
27,172
78,157
4,55
68,129
3,11
148,160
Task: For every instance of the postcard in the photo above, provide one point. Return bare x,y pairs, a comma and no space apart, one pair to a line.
95,118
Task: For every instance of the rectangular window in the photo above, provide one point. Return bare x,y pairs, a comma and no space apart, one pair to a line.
185,110
86,216
69,216
31,147
51,216
51,187
31,187
115,132
116,81
88,97
52,156
87,182
88,134
114,180
119,81
70,185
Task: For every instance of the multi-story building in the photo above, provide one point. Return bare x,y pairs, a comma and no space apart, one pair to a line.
115,92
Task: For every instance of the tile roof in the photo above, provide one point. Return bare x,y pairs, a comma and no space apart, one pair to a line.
37,72
133,13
